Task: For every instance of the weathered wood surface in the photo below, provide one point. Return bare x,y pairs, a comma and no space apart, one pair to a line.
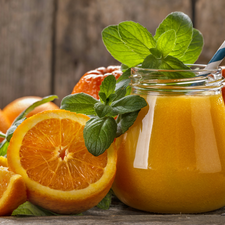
46,46
25,48
210,19
121,214
79,46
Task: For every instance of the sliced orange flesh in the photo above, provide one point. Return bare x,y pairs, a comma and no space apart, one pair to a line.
5,177
53,154
3,161
12,191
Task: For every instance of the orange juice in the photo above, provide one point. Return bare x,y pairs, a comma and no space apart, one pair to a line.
172,160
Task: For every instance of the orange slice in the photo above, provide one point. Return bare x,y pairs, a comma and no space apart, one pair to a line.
12,191
48,151
3,161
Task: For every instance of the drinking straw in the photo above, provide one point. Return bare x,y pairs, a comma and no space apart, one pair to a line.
217,58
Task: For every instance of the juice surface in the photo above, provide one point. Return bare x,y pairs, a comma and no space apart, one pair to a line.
172,159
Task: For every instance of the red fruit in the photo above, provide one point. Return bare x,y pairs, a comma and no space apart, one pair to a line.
90,82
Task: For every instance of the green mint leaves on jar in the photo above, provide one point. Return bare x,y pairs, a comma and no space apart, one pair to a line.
174,44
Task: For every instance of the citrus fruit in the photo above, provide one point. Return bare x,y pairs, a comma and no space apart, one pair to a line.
3,161
14,108
48,151
12,191
90,82
4,124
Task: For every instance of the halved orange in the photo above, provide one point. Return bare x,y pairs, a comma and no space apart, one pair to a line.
48,151
12,191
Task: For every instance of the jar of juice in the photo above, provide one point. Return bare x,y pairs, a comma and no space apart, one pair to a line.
172,159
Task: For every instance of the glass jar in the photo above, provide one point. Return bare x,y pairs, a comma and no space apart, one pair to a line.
172,159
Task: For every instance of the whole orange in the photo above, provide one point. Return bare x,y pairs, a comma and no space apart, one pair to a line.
90,82
4,123
13,109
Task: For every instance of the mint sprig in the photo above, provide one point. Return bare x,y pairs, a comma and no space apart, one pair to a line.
174,44
101,130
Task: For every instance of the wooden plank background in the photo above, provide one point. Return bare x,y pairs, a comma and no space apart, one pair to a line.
47,45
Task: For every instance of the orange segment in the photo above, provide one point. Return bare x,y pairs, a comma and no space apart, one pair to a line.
48,150
3,161
12,191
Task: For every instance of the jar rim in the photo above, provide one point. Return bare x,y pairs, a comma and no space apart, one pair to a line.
194,67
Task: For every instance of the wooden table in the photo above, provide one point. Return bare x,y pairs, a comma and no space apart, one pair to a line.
121,214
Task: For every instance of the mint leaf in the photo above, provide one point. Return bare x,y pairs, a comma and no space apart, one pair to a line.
126,74
79,103
136,37
99,133
13,127
166,42
129,42
169,63
128,104
194,49
124,121
152,62
117,48
28,209
108,85
2,135
3,147
156,53
106,201
182,25
102,109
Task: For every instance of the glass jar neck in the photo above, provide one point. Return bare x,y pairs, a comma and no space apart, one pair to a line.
196,81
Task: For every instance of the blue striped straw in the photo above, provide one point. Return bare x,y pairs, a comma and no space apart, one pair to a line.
217,58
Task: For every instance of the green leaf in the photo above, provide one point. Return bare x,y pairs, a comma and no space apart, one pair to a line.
124,121
182,25
156,53
194,49
34,105
13,127
172,63
106,201
28,209
166,42
108,85
102,109
99,133
79,103
102,96
152,62
169,63
3,147
128,104
126,75
124,67
137,37
118,49
2,135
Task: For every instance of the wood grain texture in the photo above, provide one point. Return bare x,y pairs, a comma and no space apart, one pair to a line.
79,46
25,48
210,19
